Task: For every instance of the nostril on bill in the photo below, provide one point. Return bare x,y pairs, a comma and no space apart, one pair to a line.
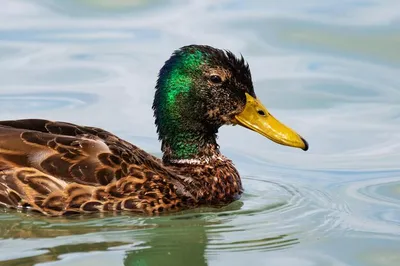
261,112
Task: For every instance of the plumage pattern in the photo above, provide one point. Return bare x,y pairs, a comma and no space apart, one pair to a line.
59,168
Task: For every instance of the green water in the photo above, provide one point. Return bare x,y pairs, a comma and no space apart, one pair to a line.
329,69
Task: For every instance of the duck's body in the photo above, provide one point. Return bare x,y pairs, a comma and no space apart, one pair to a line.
58,168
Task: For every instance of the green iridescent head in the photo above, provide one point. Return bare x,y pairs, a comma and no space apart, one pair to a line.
199,89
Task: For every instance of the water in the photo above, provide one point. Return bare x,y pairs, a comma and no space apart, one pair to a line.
329,69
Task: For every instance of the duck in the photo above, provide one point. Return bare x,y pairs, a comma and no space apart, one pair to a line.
58,168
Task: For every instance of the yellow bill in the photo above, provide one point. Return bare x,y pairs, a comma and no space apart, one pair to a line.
256,117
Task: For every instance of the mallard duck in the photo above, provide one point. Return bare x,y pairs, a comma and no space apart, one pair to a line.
59,168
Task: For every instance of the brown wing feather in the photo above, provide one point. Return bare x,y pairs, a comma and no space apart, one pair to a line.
58,168
73,159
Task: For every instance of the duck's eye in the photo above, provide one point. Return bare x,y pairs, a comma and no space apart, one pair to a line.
215,79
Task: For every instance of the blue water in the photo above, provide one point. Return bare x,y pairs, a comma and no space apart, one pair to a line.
329,69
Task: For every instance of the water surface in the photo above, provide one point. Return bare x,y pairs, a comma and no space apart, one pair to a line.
329,69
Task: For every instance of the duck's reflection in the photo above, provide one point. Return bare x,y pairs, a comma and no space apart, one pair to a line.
180,239
172,246
169,240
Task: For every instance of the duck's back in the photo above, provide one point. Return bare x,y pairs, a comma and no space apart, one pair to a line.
57,167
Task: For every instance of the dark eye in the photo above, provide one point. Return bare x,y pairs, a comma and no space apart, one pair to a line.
215,79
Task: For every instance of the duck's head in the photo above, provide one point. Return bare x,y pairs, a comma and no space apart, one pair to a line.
201,88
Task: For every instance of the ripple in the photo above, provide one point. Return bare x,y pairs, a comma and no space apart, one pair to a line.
34,102
389,215
89,8
280,215
377,191
8,52
374,206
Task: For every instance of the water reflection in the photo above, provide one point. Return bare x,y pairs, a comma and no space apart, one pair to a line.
178,244
165,241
